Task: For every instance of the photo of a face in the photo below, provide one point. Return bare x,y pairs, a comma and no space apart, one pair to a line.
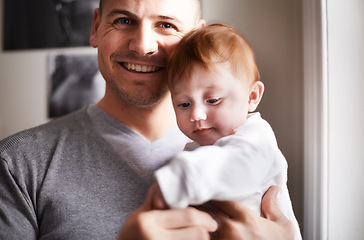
74,82
41,24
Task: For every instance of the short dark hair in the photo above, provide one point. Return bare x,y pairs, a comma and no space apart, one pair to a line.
198,2
101,5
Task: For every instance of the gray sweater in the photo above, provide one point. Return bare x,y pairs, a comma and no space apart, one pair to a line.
77,177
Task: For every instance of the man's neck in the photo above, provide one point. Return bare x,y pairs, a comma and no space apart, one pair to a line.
152,122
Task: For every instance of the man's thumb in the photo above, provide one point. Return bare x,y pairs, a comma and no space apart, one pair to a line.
269,204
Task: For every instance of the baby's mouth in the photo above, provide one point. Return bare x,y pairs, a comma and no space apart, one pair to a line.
202,130
140,68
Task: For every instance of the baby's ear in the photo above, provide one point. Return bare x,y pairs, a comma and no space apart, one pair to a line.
256,93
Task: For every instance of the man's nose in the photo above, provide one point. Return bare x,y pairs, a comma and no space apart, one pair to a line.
198,114
144,40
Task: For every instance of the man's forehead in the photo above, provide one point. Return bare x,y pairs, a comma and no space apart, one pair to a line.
185,15
173,8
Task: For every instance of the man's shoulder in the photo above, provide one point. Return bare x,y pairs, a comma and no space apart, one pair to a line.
45,134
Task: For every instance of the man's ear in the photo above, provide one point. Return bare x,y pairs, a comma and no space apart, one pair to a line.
256,93
95,25
201,23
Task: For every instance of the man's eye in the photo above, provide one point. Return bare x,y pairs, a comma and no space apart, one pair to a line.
213,101
184,105
167,25
123,21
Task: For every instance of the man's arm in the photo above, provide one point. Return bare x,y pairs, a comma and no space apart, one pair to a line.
17,215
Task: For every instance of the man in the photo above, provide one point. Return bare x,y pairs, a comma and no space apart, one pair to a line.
82,176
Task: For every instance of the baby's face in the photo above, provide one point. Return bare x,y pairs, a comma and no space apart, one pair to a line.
211,103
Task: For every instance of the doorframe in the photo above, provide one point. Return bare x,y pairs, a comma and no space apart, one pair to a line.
315,119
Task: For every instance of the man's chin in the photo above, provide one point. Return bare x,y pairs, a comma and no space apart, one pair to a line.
140,96
143,100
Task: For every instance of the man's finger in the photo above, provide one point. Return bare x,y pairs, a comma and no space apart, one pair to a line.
184,218
232,209
191,233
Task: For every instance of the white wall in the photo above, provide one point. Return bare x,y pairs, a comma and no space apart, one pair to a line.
274,29
346,118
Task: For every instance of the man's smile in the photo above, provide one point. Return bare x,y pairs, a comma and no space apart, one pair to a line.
140,68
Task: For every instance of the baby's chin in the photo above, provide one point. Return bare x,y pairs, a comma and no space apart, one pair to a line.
206,142
207,136
210,140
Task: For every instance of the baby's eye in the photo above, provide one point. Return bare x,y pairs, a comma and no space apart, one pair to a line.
184,105
213,101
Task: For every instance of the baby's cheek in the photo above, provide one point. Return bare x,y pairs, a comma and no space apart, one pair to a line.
227,126
185,128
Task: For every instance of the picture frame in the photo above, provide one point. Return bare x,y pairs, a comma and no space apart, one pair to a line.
40,24
74,82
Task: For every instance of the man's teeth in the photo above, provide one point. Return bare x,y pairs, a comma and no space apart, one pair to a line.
140,68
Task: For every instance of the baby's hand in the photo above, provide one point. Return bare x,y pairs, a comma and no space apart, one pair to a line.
157,200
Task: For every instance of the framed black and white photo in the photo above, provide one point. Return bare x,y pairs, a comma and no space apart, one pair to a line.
36,24
74,82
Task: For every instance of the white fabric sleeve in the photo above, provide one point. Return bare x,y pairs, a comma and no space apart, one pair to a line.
235,167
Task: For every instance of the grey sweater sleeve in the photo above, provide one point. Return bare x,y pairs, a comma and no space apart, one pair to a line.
17,215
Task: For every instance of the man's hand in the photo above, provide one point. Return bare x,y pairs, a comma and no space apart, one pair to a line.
157,200
176,224
238,222
235,222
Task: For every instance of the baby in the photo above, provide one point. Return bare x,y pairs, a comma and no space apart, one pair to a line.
215,87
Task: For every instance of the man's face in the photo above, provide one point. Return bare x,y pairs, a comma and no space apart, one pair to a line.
135,39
